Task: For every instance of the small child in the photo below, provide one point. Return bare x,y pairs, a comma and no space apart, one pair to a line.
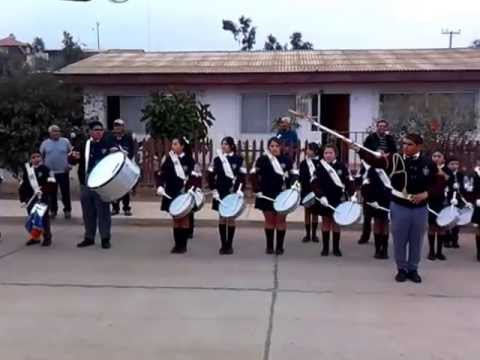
456,185
35,181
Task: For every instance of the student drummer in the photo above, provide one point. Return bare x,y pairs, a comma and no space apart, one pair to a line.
95,211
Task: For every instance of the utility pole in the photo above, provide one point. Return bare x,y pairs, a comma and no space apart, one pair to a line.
450,33
98,35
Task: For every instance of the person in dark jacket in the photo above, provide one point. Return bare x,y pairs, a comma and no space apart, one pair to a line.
125,142
307,173
178,173
37,180
95,211
331,185
271,175
476,211
225,176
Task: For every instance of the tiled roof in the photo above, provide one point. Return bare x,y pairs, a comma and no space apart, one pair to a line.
139,62
10,41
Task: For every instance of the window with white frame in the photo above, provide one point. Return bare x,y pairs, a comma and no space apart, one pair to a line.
260,110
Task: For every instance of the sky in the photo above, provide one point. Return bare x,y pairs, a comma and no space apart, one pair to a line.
158,25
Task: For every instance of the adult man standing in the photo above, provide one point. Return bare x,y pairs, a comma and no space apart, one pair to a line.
381,141
288,137
413,179
94,209
125,142
55,152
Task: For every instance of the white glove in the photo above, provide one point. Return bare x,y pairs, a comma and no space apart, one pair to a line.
240,193
216,195
324,201
454,202
161,191
469,205
259,194
455,186
24,204
374,204
39,193
477,203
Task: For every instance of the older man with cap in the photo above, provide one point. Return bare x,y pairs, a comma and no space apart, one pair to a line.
288,137
54,151
125,142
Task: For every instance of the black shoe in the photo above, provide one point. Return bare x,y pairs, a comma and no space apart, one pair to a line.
182,250
228,251
86,242
306,239
115,212
53,215
47,242
279,251
431,256
315,239
401,276
455,245
414,277
440,256
67,215
106,244
175,250
32,242
363,241
337,252
269,251
128,213
221,251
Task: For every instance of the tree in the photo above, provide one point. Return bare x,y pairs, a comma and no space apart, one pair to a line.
71,51
29,103
297,43
170,115
272,44
38,45
243,32
476,43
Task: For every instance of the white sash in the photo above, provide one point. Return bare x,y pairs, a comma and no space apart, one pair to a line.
177,165
332,173
227,167
87,155
275,164
311,167
384,177
32,178
477,170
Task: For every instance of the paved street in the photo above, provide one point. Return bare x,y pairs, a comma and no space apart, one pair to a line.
138,301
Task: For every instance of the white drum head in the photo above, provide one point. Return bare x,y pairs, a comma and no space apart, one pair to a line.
347,213
181,204
309,200
106,170
231,206
447,216
465,216
287,201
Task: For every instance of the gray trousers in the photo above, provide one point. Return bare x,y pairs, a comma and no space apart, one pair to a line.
94,211
408,230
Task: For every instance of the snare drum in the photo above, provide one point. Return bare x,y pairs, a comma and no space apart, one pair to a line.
287,201
347,213
182,205
309,200
447,217
231,206
464,216
113,177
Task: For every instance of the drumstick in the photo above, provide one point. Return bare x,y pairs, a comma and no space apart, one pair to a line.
334,133
30,201
433,212
327,205
261,196
376,206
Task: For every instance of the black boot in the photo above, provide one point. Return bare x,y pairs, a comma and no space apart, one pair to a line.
190,228
477,240
314,232
366,229
307,237
47,241
431,247
440,240
184,235
106,243
269,233
86,242
448,239
222,230
378,246
176,239
455,233
384,246
336,244
280,241
230,235
326,243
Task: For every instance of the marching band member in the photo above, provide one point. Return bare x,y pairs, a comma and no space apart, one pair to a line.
377,192
225,176
437,202
332,181
271,174
413,181
455,186
476,211
307,172
178,174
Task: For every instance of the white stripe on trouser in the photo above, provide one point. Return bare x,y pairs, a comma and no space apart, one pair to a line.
408,230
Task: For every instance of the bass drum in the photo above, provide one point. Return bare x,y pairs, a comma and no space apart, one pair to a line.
287,201
231,206
347,213
113,177
182,205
